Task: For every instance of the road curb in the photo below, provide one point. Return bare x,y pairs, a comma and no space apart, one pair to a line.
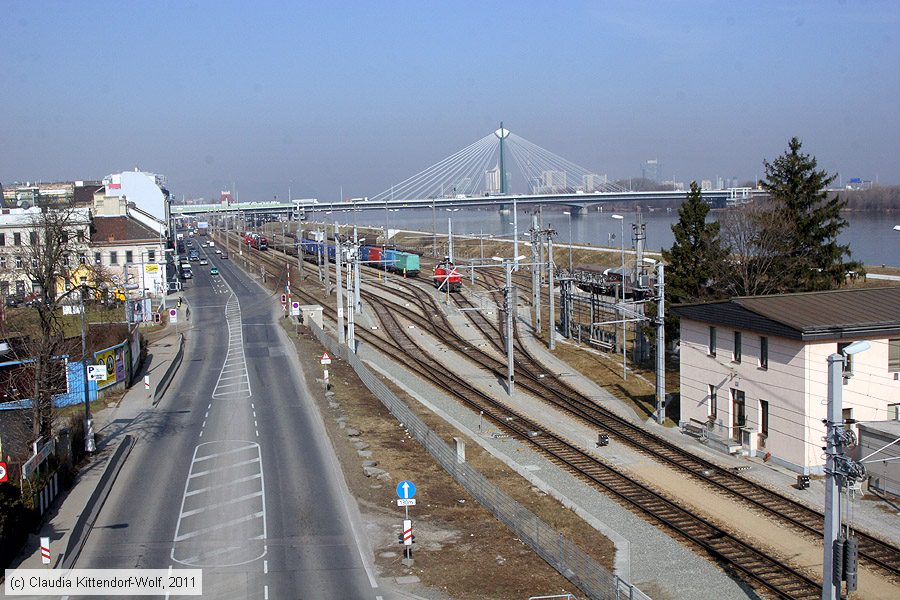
88,516
167,377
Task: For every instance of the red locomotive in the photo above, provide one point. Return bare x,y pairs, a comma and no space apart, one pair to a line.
446,277
256,240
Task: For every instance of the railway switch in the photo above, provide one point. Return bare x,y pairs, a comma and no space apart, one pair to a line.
602,439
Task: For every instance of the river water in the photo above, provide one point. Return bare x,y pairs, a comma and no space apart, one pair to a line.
870,234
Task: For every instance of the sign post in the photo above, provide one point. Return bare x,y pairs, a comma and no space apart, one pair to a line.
45,550
406,490
325,360
147,384
173,318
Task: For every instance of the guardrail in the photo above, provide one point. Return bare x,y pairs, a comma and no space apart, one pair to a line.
569,560
167,377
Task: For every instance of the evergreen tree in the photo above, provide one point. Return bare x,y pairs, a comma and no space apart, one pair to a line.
812,257
696,255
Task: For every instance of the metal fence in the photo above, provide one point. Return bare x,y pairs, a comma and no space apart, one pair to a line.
568,559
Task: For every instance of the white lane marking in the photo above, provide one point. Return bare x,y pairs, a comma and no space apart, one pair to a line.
201,433
265,566
257,433
227,467
197,511
206,415
216,527
227,452
254,423
265,592
224,485
169,576
204,424
210,554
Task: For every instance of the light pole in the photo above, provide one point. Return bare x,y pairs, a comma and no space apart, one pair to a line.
88,421
450,232
510,301
838,469
621,219
568,213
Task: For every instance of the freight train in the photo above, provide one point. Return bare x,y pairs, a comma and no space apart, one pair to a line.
389,259
260,242
446,277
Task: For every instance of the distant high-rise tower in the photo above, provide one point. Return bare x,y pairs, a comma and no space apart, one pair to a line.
492,180
592,182
651,170
706,185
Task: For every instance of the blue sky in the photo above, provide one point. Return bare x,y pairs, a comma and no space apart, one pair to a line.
361,95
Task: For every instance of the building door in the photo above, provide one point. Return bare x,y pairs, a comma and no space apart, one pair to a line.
739,414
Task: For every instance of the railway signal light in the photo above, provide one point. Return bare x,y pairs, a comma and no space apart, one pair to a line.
802,482
602,439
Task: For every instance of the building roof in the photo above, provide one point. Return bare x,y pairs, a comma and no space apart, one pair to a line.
121,230
835,314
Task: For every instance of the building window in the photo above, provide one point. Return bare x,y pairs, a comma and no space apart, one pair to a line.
17,239
129,256
34,263
82,260
2,262
64,237
20,287
712,408
763,352
894,355
4,288
151,255
764,417
736,355
894,412
113,257
96,258
847,415
32,238
81,235
2,239
738,413
18,262
712,341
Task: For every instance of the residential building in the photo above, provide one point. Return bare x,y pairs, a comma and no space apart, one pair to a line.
146,192
132,253
20,230
754,369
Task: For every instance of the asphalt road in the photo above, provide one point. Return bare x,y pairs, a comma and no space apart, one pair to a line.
233,471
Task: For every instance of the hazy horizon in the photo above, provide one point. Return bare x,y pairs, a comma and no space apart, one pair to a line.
359,96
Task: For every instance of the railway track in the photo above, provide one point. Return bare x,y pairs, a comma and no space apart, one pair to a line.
765,571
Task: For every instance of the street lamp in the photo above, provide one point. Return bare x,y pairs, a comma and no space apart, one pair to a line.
622,287
88,421
569,214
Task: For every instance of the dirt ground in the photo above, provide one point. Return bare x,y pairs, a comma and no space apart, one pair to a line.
461,550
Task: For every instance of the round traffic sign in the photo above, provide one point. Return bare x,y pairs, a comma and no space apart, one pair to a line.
406,489
3,472
173,312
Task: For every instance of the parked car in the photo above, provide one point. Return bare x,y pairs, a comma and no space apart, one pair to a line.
13,301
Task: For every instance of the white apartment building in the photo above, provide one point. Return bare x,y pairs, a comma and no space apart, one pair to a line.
754,369
19,230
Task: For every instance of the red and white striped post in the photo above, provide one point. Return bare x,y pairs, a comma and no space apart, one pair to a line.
45,550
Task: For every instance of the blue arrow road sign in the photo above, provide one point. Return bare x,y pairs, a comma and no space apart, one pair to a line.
406,489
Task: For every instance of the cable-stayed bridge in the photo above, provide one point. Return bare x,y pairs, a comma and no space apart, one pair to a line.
499,169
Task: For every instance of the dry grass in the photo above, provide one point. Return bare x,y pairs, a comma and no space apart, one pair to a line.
460,547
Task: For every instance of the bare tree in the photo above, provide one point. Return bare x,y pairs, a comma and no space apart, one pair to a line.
755,238
54,263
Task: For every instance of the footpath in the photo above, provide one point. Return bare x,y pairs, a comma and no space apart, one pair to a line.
73,510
